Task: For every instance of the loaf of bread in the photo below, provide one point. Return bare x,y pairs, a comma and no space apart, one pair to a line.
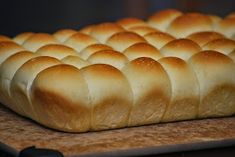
173,66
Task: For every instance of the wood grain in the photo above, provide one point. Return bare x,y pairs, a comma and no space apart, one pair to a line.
19,132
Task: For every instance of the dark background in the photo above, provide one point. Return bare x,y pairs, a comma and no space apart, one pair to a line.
18,16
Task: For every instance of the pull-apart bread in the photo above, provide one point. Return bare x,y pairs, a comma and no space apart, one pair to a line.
172,66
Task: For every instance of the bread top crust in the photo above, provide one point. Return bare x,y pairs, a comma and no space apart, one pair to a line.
163,18
121,41
189,23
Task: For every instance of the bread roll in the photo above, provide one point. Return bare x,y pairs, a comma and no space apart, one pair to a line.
7,70
103,31
38,40
224,45
142,50
143,30
4,38
8,48
60,98
181,48
110,57
21,83
110,95
75,61
64,34
216,77
56,50
163,18
230,15
123,40
226,27
151,90
89,50
126,73
184,90
131,22
20,38
189,23
87,29
232,55
79,41
215,19
158,39
201,38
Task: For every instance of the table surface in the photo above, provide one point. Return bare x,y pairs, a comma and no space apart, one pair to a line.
19,132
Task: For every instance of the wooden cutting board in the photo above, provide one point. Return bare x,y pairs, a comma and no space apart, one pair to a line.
19,132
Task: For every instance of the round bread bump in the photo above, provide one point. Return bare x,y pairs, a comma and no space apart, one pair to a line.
231,15
181,48
189,23
56,50
151,90
143,30
226,27
142,50
7,70
8,48
201,38
60,97
105,30
87,29
4,38
89,50
163,18
123,40
21,83
79,41
131,22
216,77
64,34
215,19
20,38
75,61
185,90
224,45
110,57
232,55
110,95
158,39
38,40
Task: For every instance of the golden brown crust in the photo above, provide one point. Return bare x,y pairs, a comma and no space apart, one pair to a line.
79,41
142,50
222,45
38,40
182,48
89,50
189,23
201,38
226,27
158,39
20,38
56,50
8,48
103,31
110,57
143,30
105,100
61,90
123,40
163,18
63,34
4,38
151,90
131,22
